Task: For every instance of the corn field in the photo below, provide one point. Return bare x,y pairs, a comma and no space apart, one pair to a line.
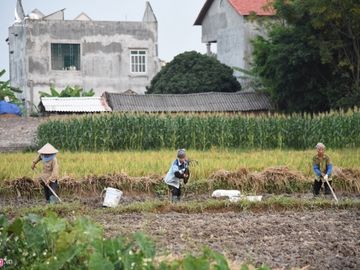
143,131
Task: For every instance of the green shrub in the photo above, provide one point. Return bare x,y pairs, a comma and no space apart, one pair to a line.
50,242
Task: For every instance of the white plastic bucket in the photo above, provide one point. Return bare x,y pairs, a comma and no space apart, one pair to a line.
112,197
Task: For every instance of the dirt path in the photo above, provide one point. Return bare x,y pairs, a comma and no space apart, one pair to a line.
326,239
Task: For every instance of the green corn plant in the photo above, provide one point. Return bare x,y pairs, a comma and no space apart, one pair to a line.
111,132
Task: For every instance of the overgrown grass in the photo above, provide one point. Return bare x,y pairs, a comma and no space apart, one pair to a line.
275,203
143,163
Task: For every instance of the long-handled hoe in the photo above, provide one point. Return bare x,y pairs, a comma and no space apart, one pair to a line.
53,192
332,191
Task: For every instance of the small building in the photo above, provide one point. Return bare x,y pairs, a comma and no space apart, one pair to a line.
71,105
48,50
231,25
211,102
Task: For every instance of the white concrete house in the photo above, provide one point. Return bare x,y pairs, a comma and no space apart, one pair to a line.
232,24
109,56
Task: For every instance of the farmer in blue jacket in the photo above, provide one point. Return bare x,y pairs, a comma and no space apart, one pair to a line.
177,174
322,168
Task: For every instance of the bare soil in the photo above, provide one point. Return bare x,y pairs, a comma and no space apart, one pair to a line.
319,239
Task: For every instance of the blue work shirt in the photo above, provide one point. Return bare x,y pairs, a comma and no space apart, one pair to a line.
322,165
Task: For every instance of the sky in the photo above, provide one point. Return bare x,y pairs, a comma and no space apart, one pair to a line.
177,32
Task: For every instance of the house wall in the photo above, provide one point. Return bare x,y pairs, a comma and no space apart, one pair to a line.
232,32
105,55
17,63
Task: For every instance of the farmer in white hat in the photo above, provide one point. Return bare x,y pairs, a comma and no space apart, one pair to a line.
50,171
178,172
322,168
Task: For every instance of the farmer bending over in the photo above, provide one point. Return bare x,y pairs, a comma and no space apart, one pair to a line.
322,168
178,170
50,171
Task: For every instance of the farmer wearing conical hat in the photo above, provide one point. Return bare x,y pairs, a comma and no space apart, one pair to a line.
49,176
322,168
178,173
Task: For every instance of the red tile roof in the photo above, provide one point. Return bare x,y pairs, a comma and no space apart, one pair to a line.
243,7
246,7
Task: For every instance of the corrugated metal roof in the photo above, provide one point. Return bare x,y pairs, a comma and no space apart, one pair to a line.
202,102
243,7
75,104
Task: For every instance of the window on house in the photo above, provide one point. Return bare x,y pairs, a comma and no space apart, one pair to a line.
138,61
65,56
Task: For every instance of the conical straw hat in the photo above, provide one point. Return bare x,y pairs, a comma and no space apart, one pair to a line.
48,149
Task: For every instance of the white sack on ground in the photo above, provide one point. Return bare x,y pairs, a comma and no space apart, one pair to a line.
225,193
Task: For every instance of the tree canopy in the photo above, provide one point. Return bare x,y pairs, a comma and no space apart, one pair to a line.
192,72
310,60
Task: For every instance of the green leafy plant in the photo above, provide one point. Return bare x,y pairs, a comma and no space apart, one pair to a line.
7,91
68,91
51,242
